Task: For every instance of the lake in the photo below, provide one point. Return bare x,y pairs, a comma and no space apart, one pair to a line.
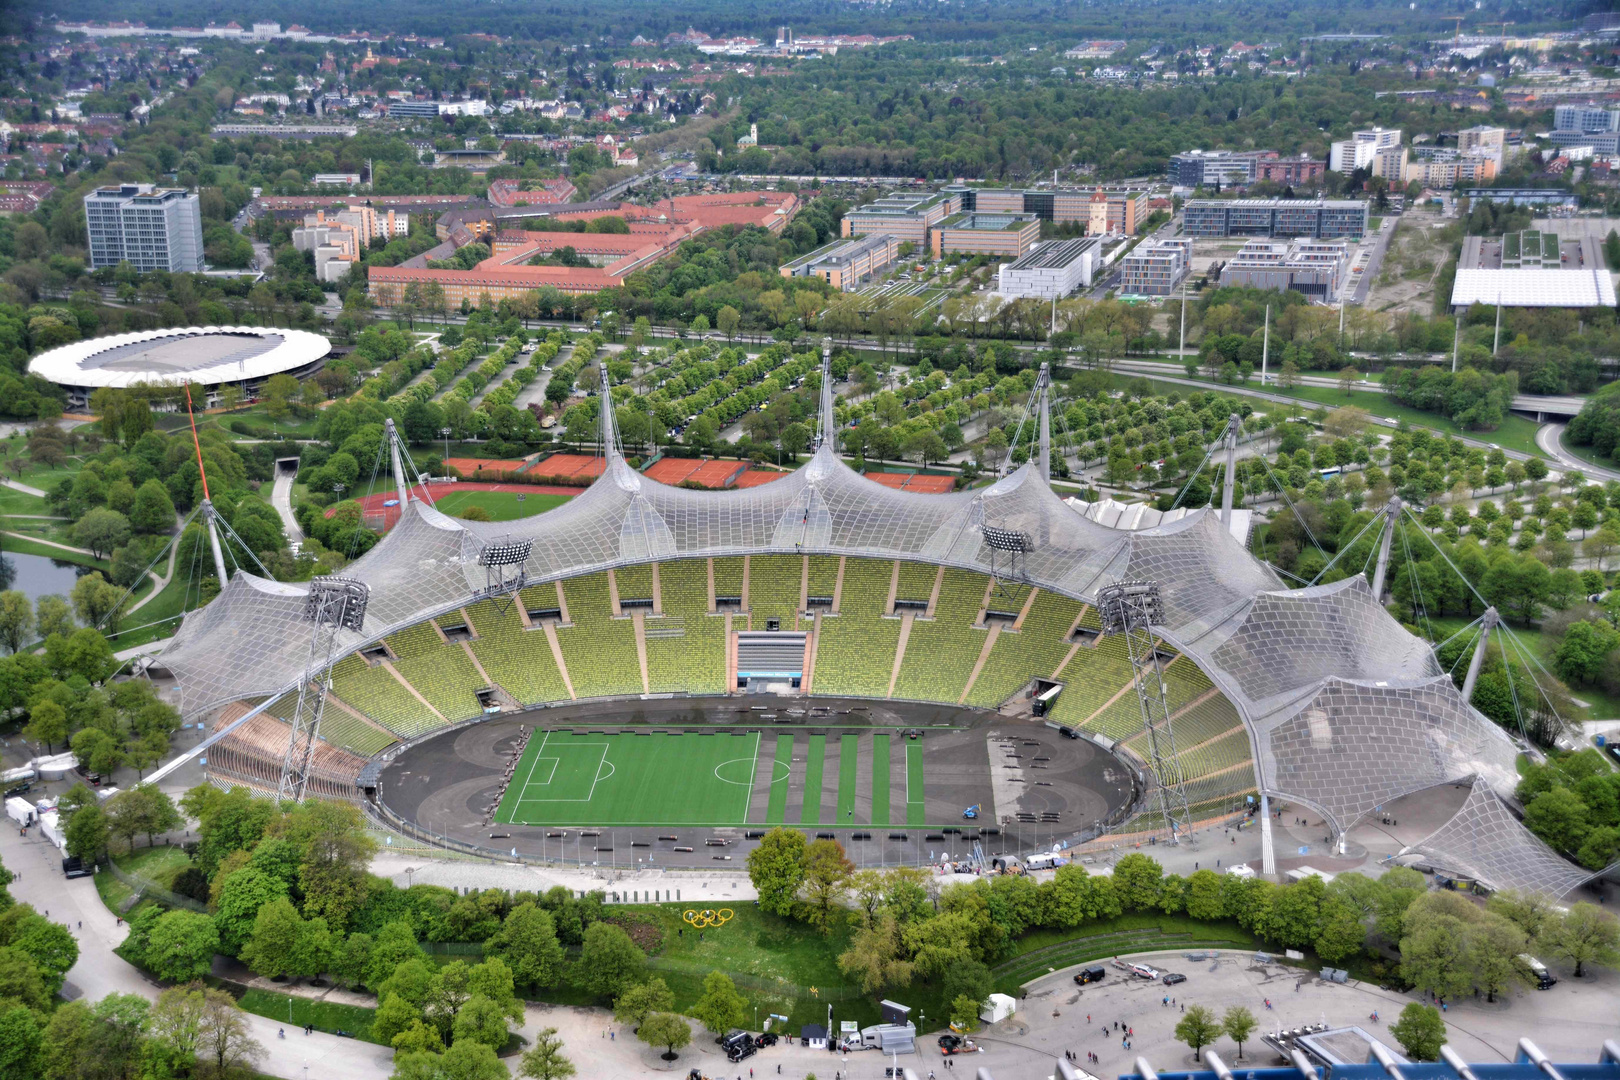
37,575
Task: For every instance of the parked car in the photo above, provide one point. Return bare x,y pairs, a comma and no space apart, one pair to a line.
1143,971
1174,977
1090,975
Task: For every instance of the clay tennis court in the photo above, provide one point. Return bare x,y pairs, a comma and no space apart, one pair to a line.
710,473
918,482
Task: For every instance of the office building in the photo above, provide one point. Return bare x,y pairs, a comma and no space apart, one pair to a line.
337,241
1005,236
1313,267
844,263
1053,270
413,109
1215,168
150,227
1319,219
1359,150
1156,268
1303,169
904,217
1121,210
1538,197
1585,119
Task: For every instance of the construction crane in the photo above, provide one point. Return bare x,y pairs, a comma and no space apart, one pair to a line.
1456,34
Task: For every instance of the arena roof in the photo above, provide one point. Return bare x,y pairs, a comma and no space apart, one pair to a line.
1533,288
1344,708
202,355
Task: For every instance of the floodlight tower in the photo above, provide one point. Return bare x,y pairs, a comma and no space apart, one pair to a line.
505,562
1010,544
333,604
1133,608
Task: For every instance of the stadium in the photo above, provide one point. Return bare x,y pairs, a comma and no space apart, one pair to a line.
210,357
674,671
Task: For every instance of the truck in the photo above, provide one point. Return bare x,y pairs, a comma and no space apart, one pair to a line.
1544,979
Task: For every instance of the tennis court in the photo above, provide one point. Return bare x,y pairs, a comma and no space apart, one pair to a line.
658,778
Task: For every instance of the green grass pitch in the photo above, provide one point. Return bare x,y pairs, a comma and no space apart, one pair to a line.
584,778
501,505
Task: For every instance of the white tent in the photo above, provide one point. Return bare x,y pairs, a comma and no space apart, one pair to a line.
997,1008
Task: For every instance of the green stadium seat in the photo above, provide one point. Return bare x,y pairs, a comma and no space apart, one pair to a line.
773,589
941,651
686,649
519,660
1036,650
855,655
376,693
600,650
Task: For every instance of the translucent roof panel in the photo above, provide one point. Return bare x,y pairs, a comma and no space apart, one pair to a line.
1278,642
1533,288
1484,841
1352,746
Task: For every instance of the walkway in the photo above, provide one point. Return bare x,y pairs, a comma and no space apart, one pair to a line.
24,488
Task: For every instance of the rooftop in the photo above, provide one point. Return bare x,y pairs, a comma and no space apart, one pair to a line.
989,222
1549,288
1056,255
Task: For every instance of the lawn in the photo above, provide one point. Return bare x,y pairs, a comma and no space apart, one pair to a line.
157,864
13,501
502,505
30,547
1042,951
295,1012
592,778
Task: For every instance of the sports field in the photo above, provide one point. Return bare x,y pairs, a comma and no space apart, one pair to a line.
593,778
501,505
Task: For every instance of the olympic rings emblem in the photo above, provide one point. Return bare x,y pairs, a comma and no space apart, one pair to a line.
706,919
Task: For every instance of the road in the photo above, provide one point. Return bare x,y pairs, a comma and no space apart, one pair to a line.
1386,229
1550,437
281,499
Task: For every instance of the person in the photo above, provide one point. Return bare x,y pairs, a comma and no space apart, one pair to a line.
281,1033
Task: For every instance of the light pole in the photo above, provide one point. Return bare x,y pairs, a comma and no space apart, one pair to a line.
446,433
409,871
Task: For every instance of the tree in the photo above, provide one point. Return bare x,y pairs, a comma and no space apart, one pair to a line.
47,723
279,391
153,511
965,1012
720,1008
142,809
826,872
1420,1031
632,1006
242,895
463,1061
877,957
95,600
1139,880
276,930
175,1024
181,946
527,941
666,1029
52,616
776,868
101,530
16,619
1583,655
544,1060
1198,1028
20,1044
1238,1024
609,961
727,320
483,1020
1586,934
87,833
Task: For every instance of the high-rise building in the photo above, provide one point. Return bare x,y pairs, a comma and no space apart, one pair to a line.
1586,119
1319,219
1361,148
152,228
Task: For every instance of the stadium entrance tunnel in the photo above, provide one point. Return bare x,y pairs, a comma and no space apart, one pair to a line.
691,783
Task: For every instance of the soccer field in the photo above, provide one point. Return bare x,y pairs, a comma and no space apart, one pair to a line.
594,778
502,505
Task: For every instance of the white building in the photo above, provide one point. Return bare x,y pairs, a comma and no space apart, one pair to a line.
1053,270
153,228
1361,148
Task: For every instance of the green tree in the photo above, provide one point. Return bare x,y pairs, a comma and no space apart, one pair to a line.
776,868
47,723
153,512
181,946
1198,1028
243,895
1138,880
727,320
527,941
720,1008
463,1061
630,1007
826,873
95,601
609,961
1238,1023
16,619
666,1029
481,1020
101,530
276,930
1585,934
544,1060
86,833
965,1012
20,1043
1420,1031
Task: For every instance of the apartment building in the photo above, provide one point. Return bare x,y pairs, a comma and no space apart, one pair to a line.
904,217
1156,268
337,242
1320,219
1313,267
844,263
1359,150
152,228
1303,169
1483,140
1006,236
1446,170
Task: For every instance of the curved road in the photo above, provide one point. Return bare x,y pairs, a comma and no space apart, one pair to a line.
1550,437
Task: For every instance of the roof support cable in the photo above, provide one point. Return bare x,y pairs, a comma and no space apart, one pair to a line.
1345,548
376,469
1283,491
175,539
1420,607
232,534
1513,691
1531,662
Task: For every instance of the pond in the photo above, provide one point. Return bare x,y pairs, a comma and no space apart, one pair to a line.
38,575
